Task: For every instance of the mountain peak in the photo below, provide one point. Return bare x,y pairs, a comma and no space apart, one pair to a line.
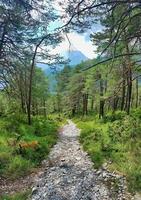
76,57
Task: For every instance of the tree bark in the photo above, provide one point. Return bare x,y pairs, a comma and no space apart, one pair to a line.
129,89
123,87
101,108
30,81
73,110
115,103
137,92
85,104
92,104
2,39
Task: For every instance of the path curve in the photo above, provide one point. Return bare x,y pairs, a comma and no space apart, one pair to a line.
70,175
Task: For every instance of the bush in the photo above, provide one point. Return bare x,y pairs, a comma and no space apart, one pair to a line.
36,155
43,128
18,166
117,115
134,178
4,160
136,113
92,139
14,131
128,128
97,158
118,139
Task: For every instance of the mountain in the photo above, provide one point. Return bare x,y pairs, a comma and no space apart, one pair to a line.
75,57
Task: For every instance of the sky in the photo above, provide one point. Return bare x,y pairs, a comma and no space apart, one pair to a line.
80,42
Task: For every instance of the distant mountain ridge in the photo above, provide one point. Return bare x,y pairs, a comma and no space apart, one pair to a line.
75,57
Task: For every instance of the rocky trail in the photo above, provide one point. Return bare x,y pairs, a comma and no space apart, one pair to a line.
69,174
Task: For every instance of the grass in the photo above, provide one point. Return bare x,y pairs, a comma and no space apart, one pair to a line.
17,196
36,139
116,138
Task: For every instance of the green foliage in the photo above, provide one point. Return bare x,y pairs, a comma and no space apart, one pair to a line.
17,196
92,139
112,116
17,167
134,178
118,139
16,162
97,158
136,113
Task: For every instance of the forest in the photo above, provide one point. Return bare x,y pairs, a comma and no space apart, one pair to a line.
101,95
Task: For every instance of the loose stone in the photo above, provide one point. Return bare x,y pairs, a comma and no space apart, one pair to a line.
70,175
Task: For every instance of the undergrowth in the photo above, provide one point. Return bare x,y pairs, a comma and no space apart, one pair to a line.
23,147
17,196
115,138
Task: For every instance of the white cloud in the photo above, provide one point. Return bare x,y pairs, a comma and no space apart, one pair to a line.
78,42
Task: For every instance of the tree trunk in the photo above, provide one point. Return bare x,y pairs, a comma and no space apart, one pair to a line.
129,89
22,103
129,81
115,103
37,110
30,94
106,85
92,104
85,104
2,39
101,108
126,100
86,109
123,87
30,81
74,110
33,109
137,92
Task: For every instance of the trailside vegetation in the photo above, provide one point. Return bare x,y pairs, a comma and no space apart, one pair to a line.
103,95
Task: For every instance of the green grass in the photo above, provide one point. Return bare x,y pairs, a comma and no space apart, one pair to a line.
14,130
17,196
116,138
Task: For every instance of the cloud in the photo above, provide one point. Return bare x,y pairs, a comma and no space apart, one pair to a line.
80,42
77,42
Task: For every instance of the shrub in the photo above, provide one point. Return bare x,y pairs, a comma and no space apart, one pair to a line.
128,128
117,115
4,160
36,155
136,113
118,139
97,158
134,178
18,166
35,145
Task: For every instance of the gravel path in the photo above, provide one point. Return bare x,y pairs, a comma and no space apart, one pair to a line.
69,174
